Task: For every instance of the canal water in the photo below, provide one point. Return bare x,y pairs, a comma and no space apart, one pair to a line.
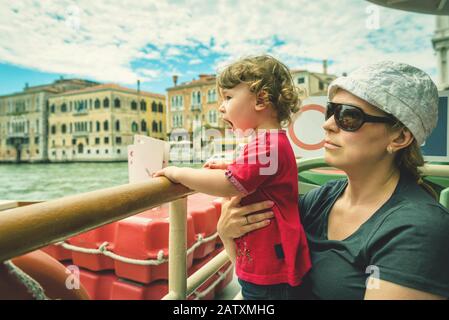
42,182
51,181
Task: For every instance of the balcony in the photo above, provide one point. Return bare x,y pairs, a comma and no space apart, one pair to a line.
79,134
196,107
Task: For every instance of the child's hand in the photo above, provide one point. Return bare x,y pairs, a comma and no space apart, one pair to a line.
215,164
168,172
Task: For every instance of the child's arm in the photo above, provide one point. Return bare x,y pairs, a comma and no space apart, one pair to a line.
213,182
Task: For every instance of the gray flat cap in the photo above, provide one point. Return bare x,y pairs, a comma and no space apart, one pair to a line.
402,90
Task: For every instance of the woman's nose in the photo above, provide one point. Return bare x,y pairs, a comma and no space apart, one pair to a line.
330,124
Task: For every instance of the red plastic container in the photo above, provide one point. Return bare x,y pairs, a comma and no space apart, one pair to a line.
142,237
93,240
58,252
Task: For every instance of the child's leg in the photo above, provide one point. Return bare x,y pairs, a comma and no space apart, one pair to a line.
282,291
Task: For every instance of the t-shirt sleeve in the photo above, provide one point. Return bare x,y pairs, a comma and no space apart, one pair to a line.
411,248
252,168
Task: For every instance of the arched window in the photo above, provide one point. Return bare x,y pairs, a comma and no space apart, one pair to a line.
143,126
106,125
106,103
154,126
53,129
154,107
52,108
117,125
161,108
134,127
80,148
160,126
98,126
117,103
97,104
143,105
63,128
63,107
133,105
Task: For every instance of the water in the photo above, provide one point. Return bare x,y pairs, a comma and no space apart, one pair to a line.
51,181
40,182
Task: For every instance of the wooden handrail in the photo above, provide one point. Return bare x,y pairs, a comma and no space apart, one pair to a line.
26,229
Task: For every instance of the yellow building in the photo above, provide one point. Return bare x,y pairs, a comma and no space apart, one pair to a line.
313,83
193,105
98,123
24,120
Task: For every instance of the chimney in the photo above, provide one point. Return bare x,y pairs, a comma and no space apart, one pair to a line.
325,66
175,80
138,86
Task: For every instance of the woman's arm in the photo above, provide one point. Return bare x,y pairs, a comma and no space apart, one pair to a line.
213,182
236,221
385,290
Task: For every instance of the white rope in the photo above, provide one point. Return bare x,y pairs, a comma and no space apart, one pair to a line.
221,277
102,249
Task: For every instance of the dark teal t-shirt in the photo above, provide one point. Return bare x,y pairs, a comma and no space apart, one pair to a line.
405,242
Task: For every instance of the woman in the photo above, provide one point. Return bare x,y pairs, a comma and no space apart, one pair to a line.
379,234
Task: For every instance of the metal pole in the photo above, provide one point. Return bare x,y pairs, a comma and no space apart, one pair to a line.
177,247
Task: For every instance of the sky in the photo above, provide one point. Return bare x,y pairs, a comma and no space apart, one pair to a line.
123,41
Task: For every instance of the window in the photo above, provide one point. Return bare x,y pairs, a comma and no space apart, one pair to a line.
36,140
143,126
73,141
97,104
133,105
106,140
106,125
154,126
154,107
212,95
321,85
143,105
117,125
98,151
213,116
117,103
63,128
53,129
98,126
106,151
97,140
106,103
118,140
63,107
160,126
52,108
161,108
134,127
301,80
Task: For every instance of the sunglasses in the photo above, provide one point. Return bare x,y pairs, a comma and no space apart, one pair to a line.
352,118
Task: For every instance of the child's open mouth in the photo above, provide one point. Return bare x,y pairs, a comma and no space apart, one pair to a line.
228,123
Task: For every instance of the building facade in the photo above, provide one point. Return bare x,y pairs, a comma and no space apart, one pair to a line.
192,106
440,41
98,123
24,120
313,83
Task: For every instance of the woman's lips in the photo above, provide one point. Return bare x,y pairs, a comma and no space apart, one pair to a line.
330,145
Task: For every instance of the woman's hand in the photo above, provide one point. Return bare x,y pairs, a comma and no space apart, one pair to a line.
215,164
170,172
236,221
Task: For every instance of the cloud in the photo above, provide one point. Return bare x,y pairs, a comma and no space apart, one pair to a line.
103,40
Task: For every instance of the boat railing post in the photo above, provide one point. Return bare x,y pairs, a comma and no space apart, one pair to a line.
177,249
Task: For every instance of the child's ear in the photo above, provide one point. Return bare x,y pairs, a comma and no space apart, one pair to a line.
260,102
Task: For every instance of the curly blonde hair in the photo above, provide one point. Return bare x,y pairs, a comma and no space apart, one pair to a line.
267,75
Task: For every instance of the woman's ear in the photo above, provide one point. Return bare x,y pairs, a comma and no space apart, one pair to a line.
401,139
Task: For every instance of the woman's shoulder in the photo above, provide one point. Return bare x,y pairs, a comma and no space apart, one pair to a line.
316,201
